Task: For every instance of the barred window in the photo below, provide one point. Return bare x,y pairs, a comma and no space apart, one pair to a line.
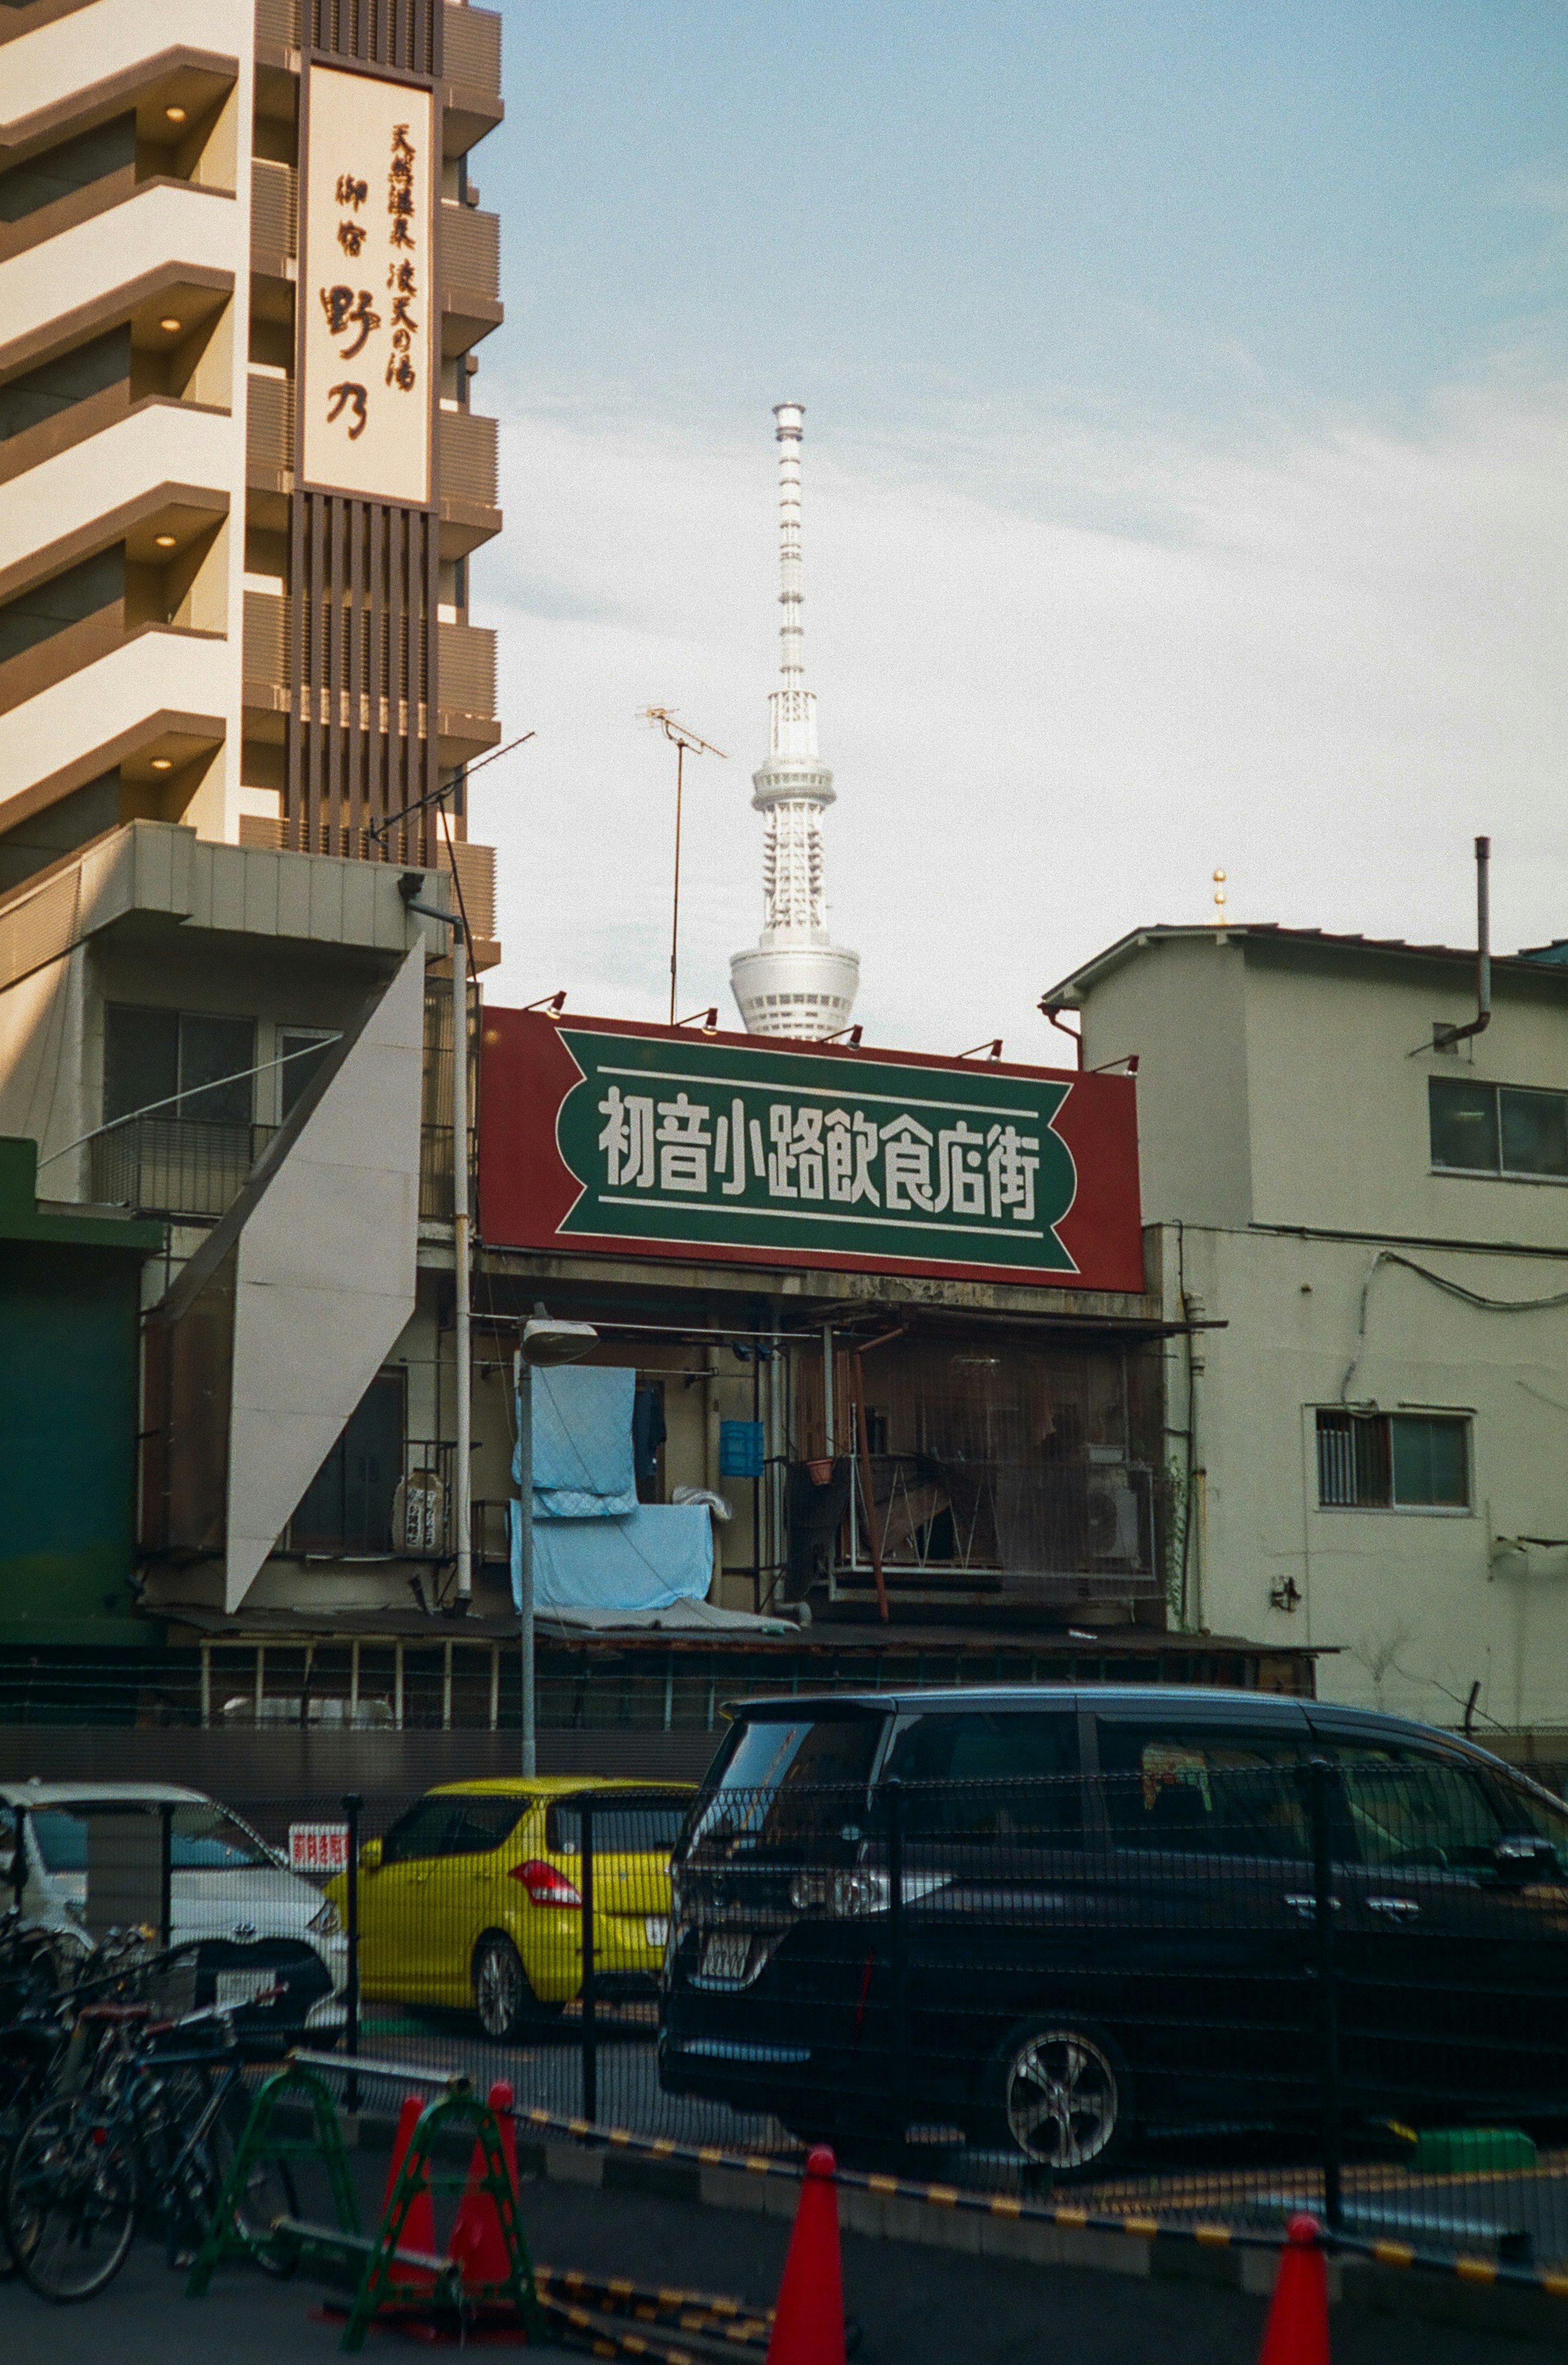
1392,1462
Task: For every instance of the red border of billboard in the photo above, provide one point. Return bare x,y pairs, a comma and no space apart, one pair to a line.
526,1190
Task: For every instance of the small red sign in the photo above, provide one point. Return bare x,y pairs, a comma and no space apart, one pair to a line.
317,1847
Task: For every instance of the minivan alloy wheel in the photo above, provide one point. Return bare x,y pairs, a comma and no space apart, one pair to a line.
1064,2096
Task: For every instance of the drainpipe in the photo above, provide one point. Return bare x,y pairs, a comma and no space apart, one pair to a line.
1445,1037
462,1475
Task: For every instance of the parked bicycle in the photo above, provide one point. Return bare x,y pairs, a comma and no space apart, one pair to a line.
139,2131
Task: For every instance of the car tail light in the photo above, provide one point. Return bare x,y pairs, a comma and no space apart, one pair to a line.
544,1884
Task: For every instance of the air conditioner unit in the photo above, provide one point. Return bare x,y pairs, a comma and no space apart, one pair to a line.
1113,1525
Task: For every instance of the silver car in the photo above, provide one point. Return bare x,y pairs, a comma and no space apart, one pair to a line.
267,1942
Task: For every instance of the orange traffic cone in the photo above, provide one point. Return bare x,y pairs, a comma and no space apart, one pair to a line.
418,2227
808,2326
478,2243
1297,2329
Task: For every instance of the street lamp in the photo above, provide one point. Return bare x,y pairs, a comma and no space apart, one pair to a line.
543,1342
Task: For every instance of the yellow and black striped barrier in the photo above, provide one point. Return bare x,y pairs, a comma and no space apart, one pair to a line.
1065,2215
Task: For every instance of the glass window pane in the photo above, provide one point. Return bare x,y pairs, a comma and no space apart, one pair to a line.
989,1776
1464,1124
1535,1132
308,1052
1416,1812
638,1825
211,1049
1194,1790
142,1059
1353,1462
1431,1461
418,1833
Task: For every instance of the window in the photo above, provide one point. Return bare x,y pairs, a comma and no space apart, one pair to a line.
151,1056
1198,1791
1497,1128
301,1050
1392,1462
641,1823
994,1776
451,1823
348,1504
1409,1811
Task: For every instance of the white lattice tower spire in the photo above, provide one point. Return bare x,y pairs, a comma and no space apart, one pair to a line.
796,982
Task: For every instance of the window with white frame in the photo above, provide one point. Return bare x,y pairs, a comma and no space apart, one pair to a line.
1393,1460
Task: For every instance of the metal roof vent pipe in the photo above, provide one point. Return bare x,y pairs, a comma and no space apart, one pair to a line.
1445,1037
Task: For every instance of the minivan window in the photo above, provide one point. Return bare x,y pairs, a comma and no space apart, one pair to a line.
993,1775
1413,1810
1198,1790
1527,1811
791,1782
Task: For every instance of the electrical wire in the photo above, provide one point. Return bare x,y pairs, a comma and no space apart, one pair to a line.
1451,1289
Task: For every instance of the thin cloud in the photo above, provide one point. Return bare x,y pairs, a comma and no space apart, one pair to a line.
1059,681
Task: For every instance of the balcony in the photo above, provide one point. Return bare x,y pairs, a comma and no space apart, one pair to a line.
273,211
470,273
175,1167
471,66
468,459
465,723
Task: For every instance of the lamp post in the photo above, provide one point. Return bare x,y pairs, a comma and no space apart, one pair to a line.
543,1342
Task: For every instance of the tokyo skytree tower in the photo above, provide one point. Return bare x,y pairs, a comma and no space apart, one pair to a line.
796,981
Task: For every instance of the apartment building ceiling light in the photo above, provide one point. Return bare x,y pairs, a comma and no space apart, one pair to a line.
170,327
164,541
162,763
175,114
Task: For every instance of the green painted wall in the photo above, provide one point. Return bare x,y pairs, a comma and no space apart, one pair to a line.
68,1291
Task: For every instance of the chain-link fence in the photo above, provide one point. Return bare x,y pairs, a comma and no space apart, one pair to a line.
1214,1981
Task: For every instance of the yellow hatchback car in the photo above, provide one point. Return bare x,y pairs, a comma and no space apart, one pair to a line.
474,1899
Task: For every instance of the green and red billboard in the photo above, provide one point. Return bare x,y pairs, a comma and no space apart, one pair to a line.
603,1136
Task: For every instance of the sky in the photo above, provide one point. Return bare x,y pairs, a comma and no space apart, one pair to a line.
1186,478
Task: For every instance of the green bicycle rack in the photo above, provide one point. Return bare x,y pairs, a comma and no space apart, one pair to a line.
373,2258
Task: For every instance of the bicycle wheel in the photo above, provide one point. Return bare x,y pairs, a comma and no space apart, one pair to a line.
70,2200
270,2192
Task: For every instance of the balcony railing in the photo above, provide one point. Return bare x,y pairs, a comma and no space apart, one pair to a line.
179,1167
471,249
467,670
472,54
468,442
469,469
273,206
404,1512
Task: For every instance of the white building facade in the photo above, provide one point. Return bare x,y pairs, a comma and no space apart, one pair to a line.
1367,1449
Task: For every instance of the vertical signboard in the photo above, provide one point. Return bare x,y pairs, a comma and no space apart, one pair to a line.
367,287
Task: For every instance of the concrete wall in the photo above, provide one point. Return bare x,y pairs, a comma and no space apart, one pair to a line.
1416,1605
1181,1009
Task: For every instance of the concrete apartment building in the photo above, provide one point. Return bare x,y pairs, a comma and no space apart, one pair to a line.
240,475
1371,1439
244,272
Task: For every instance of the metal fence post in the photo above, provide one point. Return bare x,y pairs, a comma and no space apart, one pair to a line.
591,2027
898,2000
166,1877
1321,1775
352,1806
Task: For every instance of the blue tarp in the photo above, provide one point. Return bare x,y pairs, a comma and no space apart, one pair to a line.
595,1546
582,1442
659,1553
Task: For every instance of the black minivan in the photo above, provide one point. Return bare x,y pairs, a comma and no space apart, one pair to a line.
1048,1919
